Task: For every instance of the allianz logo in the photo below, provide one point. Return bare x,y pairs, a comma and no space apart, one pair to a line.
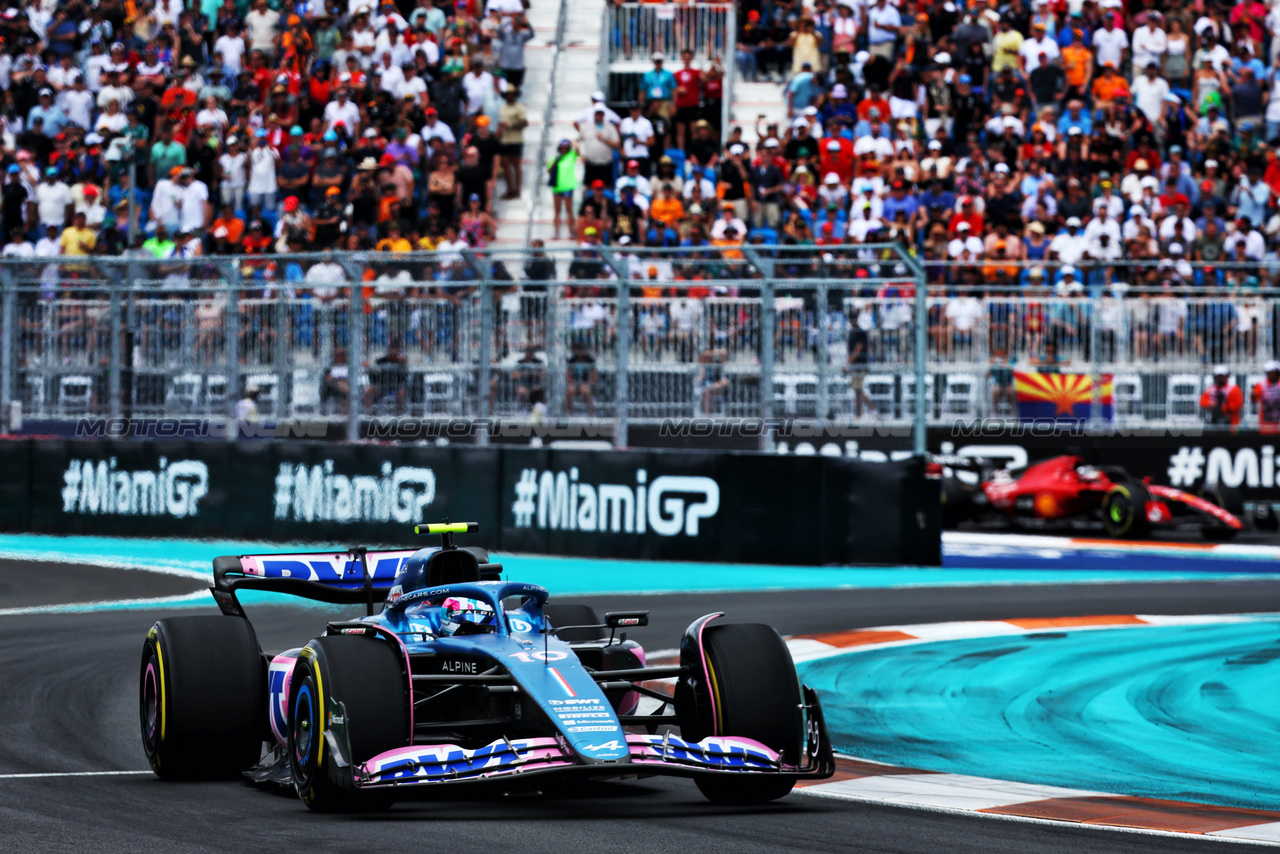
669,505
316,493
98,487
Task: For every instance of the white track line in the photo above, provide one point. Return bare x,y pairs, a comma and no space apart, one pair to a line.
107,605
72,774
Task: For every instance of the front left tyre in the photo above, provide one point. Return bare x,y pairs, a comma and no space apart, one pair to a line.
359,679
202,698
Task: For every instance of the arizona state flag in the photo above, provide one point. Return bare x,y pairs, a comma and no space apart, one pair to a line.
1059,397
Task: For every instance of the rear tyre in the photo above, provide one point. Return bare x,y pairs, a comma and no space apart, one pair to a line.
364,674
1228,499
1124,511
756,695
957,503
575,615
202,698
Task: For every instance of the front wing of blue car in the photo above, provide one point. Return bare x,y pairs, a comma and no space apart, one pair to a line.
647,754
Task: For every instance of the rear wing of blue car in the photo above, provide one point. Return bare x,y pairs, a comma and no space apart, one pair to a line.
350,577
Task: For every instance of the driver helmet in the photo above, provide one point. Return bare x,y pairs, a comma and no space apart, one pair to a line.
467,617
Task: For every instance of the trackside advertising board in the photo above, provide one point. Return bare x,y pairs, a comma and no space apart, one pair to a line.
639,504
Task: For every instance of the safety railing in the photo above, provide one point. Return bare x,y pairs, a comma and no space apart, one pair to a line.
752,333
636,31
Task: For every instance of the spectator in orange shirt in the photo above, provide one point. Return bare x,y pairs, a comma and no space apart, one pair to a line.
233,224
1077,62
667,208
1108,87
874,100
1223,401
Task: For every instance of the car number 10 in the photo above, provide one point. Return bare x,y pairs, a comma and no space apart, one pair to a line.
549,655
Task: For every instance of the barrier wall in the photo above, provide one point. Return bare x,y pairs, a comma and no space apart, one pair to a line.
619,504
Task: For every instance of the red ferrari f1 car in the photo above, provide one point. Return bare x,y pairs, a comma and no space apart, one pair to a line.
1064,488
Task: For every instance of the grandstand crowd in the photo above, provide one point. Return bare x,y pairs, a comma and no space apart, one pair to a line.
989,135
257,126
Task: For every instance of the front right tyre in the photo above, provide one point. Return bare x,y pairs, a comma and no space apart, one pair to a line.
754,693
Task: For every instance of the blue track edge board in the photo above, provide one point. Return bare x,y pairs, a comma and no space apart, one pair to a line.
995,551
989,562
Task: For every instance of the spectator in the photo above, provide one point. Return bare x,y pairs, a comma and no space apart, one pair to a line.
1266,397
581,379
1222,402
563,180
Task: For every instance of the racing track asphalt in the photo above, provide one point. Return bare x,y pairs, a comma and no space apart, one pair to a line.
70,705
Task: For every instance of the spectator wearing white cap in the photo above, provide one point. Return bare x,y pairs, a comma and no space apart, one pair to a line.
1138,220
49,113
1069,245
1222,402
587,116
833,192
965,245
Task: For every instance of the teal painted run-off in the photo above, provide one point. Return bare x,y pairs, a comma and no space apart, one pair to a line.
1185,713
567,576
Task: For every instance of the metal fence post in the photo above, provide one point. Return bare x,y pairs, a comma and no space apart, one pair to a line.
767,322
921,351
232,286
555,348
1092,313
822,404
284,330
622,390
116,350
355,341
486,349
8,323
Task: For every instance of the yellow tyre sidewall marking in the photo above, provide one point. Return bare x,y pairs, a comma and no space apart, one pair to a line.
309,654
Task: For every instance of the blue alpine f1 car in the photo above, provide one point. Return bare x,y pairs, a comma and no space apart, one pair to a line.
464,678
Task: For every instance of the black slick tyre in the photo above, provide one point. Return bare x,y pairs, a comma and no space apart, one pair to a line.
756,694
202,698
572,614
363,674
1124,511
